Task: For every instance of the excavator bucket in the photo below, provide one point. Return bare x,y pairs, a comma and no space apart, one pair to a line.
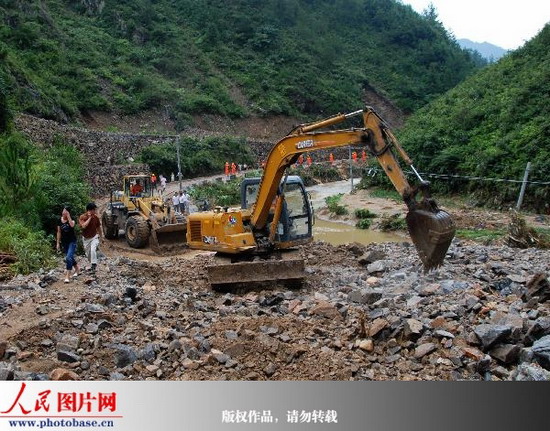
226,275
168,235
431,230
431,234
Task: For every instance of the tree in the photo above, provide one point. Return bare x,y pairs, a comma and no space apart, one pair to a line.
17,173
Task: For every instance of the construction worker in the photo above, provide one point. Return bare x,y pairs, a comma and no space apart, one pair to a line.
154,181
233,168
331,159
226,170
364,156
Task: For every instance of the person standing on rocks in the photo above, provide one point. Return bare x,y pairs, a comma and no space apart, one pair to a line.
185,202
66,238
182,198
91,233
176,202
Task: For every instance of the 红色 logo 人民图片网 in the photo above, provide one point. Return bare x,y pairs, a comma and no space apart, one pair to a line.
26,401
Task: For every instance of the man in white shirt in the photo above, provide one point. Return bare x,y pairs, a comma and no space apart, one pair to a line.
184,202
176,202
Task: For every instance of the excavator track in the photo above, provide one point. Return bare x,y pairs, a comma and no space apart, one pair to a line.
230,273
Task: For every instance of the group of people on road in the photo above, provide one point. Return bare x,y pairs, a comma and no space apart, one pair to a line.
90,226
160,180
180,202
234,168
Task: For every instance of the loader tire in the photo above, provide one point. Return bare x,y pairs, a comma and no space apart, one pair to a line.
137,232
110,229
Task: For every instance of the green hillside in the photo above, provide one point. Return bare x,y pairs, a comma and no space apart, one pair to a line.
61,58
491,125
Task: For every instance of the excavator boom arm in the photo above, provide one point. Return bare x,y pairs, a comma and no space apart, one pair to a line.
431,229
375,136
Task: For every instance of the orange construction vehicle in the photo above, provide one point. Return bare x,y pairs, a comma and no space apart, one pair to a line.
276,213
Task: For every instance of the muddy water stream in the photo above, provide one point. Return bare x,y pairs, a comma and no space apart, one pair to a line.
337,233
340,233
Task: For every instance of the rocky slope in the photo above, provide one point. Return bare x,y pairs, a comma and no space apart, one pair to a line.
364,313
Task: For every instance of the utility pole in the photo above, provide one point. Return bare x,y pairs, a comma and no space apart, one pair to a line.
523,185
179,161
350,170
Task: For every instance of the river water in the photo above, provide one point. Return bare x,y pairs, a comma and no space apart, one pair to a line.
340,233
337,233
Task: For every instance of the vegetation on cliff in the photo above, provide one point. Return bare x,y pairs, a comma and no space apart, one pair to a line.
59,59
34,185
490,126
198,157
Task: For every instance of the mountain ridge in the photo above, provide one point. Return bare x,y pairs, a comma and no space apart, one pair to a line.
306,58
490,126
488,51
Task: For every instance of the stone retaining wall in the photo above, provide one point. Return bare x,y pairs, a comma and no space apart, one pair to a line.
106,153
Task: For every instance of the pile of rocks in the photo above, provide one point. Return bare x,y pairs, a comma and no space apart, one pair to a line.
364,313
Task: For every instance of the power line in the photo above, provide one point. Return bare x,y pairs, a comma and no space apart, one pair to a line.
376,170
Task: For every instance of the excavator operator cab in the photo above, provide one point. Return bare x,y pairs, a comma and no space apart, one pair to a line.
296,222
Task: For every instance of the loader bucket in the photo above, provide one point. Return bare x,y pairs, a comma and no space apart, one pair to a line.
167,235
226,275
431,231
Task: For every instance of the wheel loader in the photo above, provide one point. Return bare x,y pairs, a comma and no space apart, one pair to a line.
142,215
276,214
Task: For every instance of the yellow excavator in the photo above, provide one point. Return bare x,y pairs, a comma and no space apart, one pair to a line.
276,213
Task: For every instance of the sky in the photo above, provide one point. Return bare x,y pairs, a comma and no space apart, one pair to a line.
505,23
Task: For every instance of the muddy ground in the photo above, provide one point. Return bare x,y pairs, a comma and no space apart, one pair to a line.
364,312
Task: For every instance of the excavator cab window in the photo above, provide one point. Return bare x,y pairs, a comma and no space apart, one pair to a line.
250,194
296,219
297,212
138,187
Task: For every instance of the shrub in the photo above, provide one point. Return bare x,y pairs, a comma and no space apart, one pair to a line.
17,173
325,173
363,223
217,193
32,248
60,182
333,204
305,175
386,194
364,213
34,186
198,156
392,222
